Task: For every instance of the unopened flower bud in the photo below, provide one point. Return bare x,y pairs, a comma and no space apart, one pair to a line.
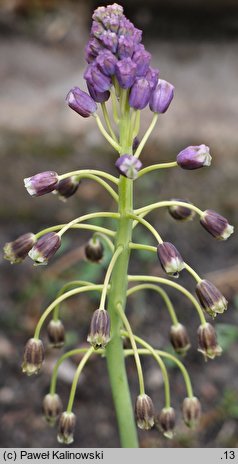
211,299
140,94
170,259
128,166
166,422
106,62
42,183
179,339
52,408
66,428
99,81
161,97
181,213
17,250
99,334
216,225
33,356
144,412
67,187
191,410
207,341
194,157
99,97
56,333
142,59
45,247
125,72
81,102
94,250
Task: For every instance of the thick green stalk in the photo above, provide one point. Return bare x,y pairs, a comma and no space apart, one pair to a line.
117,295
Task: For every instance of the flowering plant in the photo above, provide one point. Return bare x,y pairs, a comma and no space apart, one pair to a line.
119,69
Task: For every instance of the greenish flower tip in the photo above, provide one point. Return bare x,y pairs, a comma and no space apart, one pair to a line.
211,299
191,410
56,333
179,339
33,357
144,412
16,251
207,342
94,250
99,334
166,422
216,225
52,408
170,259
66,428
45,248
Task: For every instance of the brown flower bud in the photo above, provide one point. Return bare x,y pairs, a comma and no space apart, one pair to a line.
179,339
52,408
55,331
33,356
99,334
191,410
17,250
144,412
66,428
181,213
211,298
166,422
94,250
170,259
207,341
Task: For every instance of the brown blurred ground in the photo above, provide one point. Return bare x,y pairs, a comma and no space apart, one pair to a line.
41,56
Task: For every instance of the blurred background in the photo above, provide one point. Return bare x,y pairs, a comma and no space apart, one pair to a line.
195,45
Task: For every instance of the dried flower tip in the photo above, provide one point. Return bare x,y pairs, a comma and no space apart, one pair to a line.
211,299
94,250
66,428
99,334
166,422
33,356
81,102
42,183
17,250
128,166
144,412
45,248
67,187
194,157
181,213
216,225
161,97
191,410
207,341
179,339
52,408
170,259
56,333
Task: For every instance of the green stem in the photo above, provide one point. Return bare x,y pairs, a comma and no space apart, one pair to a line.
107,120
84,172
146,136
134,349
161,204
76,226
73,283
163,294
105,239
106,135
192,272
108,275
178,287
102,183
76,378
147,225
154,167
85,218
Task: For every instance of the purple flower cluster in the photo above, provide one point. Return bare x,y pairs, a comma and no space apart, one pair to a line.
115,53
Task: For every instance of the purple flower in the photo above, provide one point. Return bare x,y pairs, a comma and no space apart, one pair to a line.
152,77
181,213
109,40
170,259
92,50
207,341
45,248
97,29
211,299
42,183
17,250
67,187
140,94
97,79
125,47
106,62
81,102
99,97
161,97
144,412
142,59
99,334
126,72
216,225
128,166
194,157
